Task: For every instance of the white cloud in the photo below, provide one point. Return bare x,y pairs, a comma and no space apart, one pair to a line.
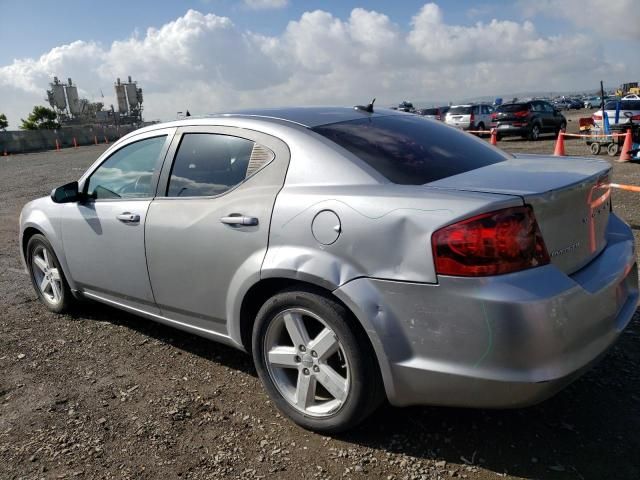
618,19
266,4
205,63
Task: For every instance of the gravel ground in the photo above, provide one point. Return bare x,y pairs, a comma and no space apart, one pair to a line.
104,394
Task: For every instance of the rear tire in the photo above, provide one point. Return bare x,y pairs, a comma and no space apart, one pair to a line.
47,276
595,148
326,386
613,149
481,128
534,133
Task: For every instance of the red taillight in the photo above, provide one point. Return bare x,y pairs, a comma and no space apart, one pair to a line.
521,113
494,115
493,243
472,118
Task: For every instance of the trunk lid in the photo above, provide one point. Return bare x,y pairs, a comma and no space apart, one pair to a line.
570,198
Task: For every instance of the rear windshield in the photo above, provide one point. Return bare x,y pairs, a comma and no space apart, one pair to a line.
460,110
411,150
513,107
624,105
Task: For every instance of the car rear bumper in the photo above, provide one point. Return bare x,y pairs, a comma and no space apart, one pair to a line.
504,341
507,129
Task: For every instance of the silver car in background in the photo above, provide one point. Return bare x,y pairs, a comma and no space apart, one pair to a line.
357,255
470,117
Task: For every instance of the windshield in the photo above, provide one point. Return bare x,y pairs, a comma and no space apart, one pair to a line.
411,150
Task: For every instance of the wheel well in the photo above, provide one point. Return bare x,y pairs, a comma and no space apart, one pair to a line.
259,293
26,236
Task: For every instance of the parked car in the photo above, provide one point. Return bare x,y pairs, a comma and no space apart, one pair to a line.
357,255
631,96
592,102
406,107
527,119
568,104
435,113
630,106
470,117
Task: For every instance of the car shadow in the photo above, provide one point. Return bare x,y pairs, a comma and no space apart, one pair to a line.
185,341
590,430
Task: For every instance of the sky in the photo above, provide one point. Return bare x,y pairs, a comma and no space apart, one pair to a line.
220,55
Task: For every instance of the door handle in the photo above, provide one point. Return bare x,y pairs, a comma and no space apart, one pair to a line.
239,220
128,217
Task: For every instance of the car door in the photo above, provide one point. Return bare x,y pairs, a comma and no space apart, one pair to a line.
104,235
555,117
207,234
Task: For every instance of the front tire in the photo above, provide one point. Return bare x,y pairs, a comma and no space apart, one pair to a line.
47,276
314,363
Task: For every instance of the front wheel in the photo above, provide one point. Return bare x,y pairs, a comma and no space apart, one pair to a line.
313,363
47,276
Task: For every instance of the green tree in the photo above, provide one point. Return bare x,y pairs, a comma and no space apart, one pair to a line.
40,119
3,122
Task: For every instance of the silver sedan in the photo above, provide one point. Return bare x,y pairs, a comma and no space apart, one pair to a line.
357,255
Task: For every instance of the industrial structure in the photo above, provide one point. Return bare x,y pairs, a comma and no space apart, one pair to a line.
73,110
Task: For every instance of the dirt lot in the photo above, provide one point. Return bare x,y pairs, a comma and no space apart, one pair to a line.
104,394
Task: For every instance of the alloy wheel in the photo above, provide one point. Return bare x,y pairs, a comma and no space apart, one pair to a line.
46,275
306,362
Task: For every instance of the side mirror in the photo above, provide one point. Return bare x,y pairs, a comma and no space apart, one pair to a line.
66,193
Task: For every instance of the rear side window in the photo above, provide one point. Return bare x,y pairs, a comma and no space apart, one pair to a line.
210,164
460,110
411,150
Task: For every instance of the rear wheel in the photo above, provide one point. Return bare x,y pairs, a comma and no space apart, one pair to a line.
613,149
315,367
534,133
595,148
481,129
47,276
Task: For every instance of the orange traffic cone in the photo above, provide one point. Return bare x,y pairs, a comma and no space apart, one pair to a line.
559,150
57,145
75,143
494,137
624,153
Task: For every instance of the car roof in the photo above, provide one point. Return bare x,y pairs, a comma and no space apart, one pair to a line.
310,116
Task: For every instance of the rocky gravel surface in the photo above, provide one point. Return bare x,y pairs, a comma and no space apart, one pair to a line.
104,394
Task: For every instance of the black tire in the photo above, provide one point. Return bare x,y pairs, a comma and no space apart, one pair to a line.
534,132
563,127
36,243
365,391
595,148
481,127
613,149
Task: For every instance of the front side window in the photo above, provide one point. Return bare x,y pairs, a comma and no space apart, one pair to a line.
127,173
411,150
209,164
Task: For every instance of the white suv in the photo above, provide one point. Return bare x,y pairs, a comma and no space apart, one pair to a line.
470,117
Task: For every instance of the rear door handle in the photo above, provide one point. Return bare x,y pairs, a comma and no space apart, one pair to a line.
128,217
239,220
